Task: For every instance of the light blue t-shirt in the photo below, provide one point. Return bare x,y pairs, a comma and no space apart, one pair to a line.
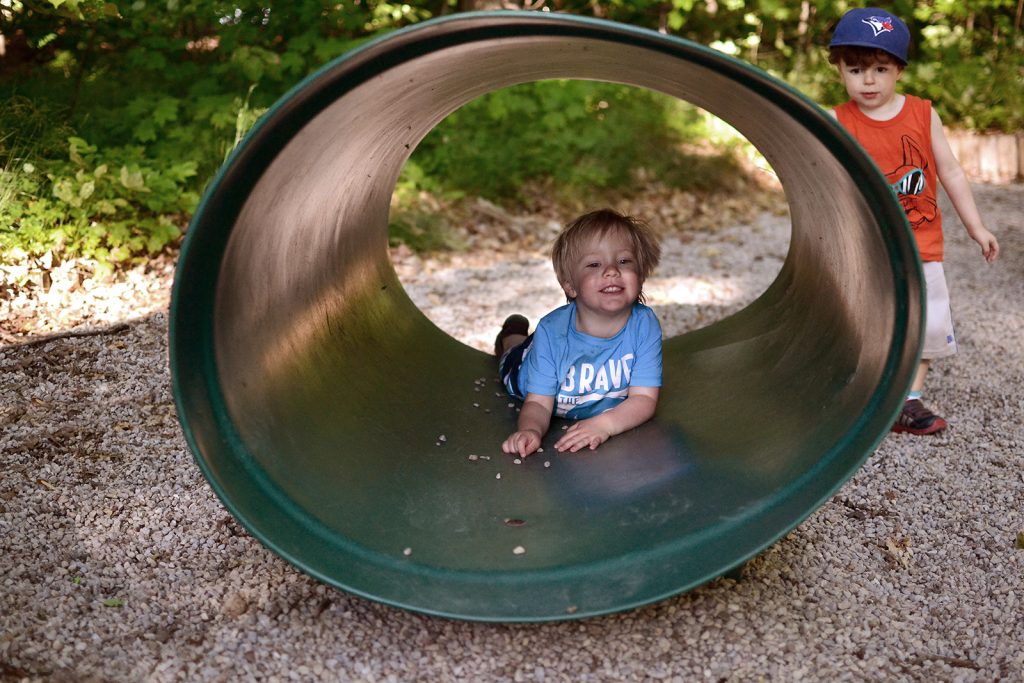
589,375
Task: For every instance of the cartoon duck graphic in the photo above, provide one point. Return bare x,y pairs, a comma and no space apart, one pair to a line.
908,181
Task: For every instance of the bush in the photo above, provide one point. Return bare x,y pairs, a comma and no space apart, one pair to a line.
112,206
583,136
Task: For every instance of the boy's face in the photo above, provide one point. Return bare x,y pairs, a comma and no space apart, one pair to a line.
872,85
605,280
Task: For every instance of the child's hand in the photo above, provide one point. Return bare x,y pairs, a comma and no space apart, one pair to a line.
584,434
523,442
988,243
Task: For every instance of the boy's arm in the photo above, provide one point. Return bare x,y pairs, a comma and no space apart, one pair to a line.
638,408
534,420
953,178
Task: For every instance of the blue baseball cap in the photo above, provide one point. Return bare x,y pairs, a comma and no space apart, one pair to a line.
873,27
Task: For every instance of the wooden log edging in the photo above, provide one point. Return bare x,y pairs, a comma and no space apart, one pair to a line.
996,158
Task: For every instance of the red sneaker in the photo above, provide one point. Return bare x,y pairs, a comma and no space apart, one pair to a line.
915,418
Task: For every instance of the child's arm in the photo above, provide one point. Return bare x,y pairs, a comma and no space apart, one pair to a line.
953,178
638,408
534,420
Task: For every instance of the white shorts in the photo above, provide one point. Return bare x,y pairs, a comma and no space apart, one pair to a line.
939,340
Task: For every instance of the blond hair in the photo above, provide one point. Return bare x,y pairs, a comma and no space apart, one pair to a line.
569,245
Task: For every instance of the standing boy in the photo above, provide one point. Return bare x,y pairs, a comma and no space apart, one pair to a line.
904,136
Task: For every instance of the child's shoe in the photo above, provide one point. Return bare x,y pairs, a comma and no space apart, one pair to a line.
514,324
915,418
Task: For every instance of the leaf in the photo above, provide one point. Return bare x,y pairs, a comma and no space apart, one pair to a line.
161,237
182,171
105,207
132,179
64,190
75,147
113,602
899,550
166,110
292,63
144,131
1020,540
103,269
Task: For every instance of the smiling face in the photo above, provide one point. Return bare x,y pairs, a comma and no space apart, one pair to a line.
605,281
872,86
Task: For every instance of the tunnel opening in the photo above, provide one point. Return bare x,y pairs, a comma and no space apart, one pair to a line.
464,255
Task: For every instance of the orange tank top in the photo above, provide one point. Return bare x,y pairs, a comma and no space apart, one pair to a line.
902,149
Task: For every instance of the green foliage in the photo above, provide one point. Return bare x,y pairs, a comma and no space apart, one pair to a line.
107,206
162,90
580,136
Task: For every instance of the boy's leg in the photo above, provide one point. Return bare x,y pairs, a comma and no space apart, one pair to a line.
922,373
510,346
939,341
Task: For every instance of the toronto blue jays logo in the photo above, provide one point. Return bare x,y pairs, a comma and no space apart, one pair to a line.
879,24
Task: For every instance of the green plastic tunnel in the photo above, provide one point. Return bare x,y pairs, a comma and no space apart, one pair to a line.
315,394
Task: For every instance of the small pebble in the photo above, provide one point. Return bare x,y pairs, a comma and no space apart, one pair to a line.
235,605
518,461
547,463
407,552
498,475
519,550
474,456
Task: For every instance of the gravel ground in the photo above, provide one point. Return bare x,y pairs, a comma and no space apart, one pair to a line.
117,562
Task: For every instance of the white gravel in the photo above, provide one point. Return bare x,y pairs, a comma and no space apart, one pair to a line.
117,562
703,277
